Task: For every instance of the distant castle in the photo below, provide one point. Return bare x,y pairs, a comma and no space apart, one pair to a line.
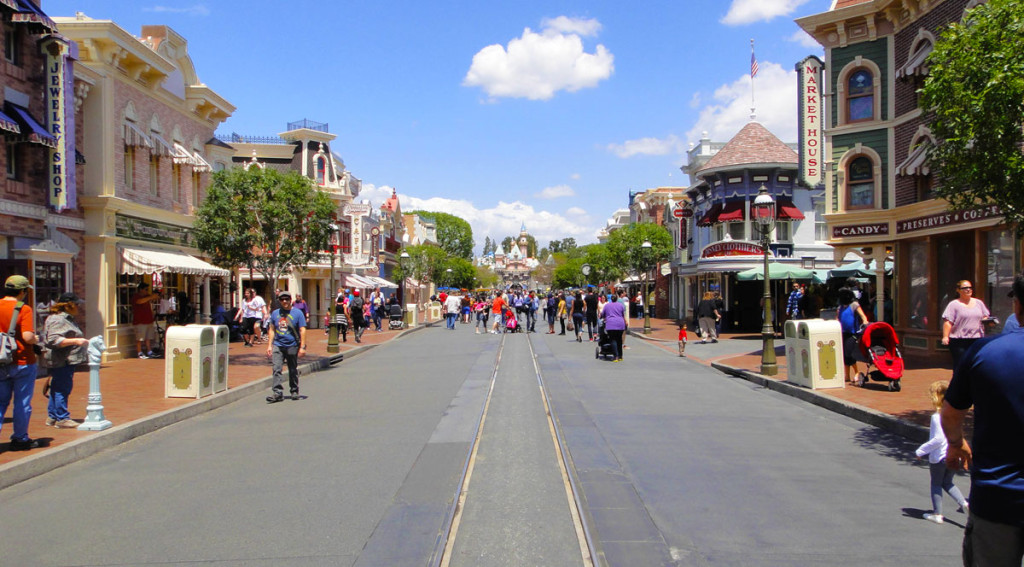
514,267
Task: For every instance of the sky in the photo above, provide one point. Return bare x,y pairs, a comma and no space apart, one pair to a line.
546,113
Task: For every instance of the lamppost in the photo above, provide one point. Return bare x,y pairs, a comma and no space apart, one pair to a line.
763,212
448,278
403,260
645,251
332,329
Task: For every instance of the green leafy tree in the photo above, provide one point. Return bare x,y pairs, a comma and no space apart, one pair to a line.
625,246
568,244
975,88
555,245
603,266
462,275
488,245
507,243
485,277
265,220
454,234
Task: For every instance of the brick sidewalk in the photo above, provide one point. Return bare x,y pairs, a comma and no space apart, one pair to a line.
134,388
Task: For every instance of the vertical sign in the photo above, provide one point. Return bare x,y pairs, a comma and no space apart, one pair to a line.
60,122
683,237
810,114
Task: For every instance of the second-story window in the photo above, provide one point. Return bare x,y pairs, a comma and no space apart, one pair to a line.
176,182
12,161
129,167
860,184
321,170
12,51
195,189
860,96
820,226
154,174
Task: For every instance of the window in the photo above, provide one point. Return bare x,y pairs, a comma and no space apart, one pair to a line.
860,96
12,161
860,184
12,51
176,182
820,226
195,190
49,284
737,230
321,170
924,187
129,167
154,174
719,232
784,231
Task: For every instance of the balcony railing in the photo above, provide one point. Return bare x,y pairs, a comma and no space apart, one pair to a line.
308,124
242,139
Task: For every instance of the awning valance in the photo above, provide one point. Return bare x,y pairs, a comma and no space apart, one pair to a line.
31,130
381,282
915,64
355,280
786,210
711,216
29,13
916,163
134,136
181,156
8,124
12,4
138,261
200,164
160,146
733,211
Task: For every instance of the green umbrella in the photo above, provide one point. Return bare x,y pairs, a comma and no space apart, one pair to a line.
778,271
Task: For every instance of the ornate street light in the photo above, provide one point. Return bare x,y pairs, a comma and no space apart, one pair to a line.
645,251
332,327
763,212
403,260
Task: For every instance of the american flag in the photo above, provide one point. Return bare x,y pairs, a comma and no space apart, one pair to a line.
753,65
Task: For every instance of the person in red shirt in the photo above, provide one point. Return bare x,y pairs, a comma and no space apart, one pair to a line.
682,339
497,306
142,318
18,379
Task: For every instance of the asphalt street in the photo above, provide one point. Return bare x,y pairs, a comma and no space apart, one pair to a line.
673,463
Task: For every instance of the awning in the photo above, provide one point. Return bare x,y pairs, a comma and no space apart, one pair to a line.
915,64
29,13
733,211
200,164
7,123
381,281
786,210
137,261
181,156
12,4
134,136
711,216
31,130
355,280
916,163
161,147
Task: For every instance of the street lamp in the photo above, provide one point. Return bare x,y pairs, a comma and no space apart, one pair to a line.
332,327
448,277
763,212
403,260
645,251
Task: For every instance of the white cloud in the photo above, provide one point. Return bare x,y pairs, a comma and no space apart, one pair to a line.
804,39
750,11
500,220
775,97
648,147
538,65
566,25
556,192
695,100
196,10
574,176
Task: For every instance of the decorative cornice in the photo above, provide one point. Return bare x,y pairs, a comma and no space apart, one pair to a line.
23,210
66,222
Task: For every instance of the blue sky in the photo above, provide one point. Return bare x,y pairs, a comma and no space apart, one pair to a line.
547,113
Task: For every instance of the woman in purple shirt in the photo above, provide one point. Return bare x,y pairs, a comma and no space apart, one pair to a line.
614,324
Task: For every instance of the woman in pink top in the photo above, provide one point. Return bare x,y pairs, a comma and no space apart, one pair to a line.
963,321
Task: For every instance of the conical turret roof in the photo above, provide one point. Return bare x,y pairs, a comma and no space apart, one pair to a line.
754,144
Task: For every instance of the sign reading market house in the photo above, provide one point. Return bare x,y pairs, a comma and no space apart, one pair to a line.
732,248
871,229
946,219
60,119
809,112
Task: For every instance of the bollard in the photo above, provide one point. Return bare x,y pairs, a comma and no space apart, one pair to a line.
94,419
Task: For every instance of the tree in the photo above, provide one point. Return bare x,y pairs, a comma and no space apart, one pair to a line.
555,246
488,245
625,246
975,88
567,244
507,243
454,235
485,277
568,275
265,220
603,266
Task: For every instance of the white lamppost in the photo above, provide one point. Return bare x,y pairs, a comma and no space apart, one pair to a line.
645,251
763,212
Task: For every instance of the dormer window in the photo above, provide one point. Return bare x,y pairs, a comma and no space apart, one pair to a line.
321,170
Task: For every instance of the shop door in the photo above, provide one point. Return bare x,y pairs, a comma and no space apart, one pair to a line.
10,268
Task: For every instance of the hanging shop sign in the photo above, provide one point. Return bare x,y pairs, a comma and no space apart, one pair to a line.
810,139
732,248
60,120
872,229
947,219
683,236
143,229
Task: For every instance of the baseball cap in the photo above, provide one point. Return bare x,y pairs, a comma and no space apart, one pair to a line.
17,282
284,295
356,292
69,297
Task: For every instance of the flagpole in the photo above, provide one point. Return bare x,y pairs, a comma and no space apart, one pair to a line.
753,73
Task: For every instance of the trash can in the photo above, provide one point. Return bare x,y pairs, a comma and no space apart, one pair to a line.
435,311
188,361
794,346
221,340
819,354
410,315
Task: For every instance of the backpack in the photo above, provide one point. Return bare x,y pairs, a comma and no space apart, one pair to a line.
8,344
519,301
356,305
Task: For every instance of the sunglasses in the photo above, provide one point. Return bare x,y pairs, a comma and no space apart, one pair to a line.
967,288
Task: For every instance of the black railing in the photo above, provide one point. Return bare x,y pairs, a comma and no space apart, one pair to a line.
241,139
308,124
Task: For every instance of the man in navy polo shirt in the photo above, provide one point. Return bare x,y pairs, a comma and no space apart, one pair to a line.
988,377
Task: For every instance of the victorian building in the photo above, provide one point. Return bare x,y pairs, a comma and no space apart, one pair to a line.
146,135
654,206
879,185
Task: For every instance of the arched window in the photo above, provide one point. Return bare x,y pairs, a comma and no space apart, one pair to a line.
321,170
860,96
860,183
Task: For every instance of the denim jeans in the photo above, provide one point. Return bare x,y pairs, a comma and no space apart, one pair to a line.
942,479
19,383
280,357
61,382
449,320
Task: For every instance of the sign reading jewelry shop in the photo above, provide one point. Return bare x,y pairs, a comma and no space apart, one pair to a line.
732,248
356,211
153,231
809,112
60,119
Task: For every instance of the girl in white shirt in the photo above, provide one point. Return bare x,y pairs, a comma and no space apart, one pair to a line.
935,449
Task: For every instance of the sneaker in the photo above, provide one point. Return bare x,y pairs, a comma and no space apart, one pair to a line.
937,518
714,340
143,355
150,354
274,398
50,421
24,445
295,395
964,508
66,424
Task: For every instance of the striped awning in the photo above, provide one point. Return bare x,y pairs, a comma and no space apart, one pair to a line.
31,130
916,163
200,164
161,147
30,14
135,137
357,281
138,261
9,124
181,156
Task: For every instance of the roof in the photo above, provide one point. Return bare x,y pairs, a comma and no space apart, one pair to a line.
392,202
754,144
840,4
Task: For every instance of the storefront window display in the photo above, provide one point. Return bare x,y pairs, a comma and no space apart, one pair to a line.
1001,270
128,284
918,251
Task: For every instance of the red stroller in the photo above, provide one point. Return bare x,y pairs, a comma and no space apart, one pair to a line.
880,347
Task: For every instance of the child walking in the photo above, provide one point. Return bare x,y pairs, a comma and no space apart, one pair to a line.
682,339
935,448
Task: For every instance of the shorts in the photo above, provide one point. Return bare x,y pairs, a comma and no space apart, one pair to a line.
145,332
850,348
249,325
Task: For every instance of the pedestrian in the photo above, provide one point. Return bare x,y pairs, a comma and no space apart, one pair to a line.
963,321
142,317
638,302
682,339
614,315
551,310
497,311
989,379
935,450
531,312
720,306
577,311
481,308
590,303
452,308
376,308
251,315
625,314
341,315
301,305
18,378
561,311
68,348
851,318
793,303
707,315
355,316
286,342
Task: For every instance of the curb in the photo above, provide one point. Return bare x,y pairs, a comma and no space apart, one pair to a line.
884,421
24,469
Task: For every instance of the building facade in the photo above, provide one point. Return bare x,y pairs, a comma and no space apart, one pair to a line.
879,184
